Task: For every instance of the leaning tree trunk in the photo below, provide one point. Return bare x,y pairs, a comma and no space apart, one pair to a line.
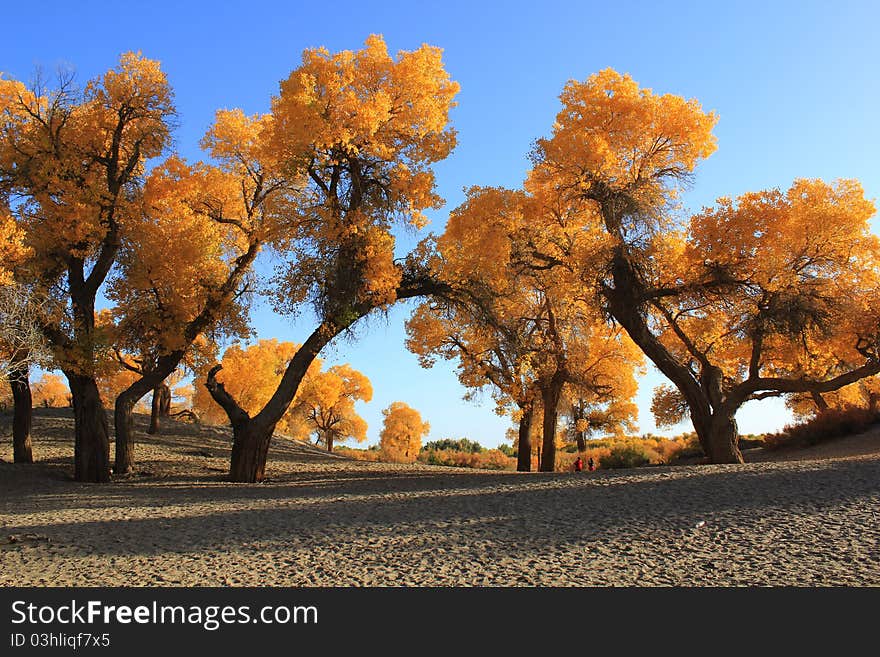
123,420
550,396
91,455
712,420
253,435
22,451
161,406
524,444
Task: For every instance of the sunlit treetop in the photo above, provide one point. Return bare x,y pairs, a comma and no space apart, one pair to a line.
365,128
70,159
792,274
614,138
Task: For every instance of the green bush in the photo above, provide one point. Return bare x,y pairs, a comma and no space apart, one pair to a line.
460,445
629,455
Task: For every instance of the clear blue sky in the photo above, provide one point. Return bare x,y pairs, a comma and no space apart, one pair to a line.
796,85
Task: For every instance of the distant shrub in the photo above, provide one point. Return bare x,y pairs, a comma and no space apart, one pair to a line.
630,454
688,447
490,459
372,455
460,445
507,450
750,440
827,425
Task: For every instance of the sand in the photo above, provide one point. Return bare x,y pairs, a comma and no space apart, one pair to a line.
803,519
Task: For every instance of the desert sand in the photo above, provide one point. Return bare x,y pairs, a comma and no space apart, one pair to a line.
805,518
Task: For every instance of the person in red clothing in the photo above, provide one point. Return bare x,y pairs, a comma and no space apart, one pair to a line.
579,464
591,465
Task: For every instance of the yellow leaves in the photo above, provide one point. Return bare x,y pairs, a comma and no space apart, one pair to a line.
251,375
612,137
623,133
668,406
800,268
364,128
73,160
381,275
241,142
325,405
12,248
51,392
136,92
402,432
366,104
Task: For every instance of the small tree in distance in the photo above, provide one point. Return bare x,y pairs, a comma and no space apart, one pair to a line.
402,433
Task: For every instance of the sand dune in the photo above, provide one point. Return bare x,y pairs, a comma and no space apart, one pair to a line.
322,520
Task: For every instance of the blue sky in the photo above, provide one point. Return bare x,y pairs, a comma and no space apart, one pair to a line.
796,86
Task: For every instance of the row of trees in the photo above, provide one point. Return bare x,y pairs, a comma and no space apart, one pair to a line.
771,294
552,294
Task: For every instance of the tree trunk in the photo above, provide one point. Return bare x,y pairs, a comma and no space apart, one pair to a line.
524,442
124,432
253,435
720,441
160,408
329,442
123,421
22,451
91,434
250,448
550,395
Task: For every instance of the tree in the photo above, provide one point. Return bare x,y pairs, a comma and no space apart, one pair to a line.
51,392
516,320
251,374
771,294
21,346
71,163
402,431
325,405
184,265
364,128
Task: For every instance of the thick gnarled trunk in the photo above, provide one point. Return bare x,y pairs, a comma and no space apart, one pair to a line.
721,441
250,449
22,408
91,455
524,446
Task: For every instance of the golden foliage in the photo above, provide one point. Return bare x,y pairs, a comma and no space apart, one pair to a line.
12,248
613,137
251,375
325,406
773,293
522,319
74,162
50,392
365,128
402,432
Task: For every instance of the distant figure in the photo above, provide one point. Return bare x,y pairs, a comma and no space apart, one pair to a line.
591,465
579,465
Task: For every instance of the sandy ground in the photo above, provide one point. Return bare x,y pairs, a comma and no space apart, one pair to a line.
807,518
